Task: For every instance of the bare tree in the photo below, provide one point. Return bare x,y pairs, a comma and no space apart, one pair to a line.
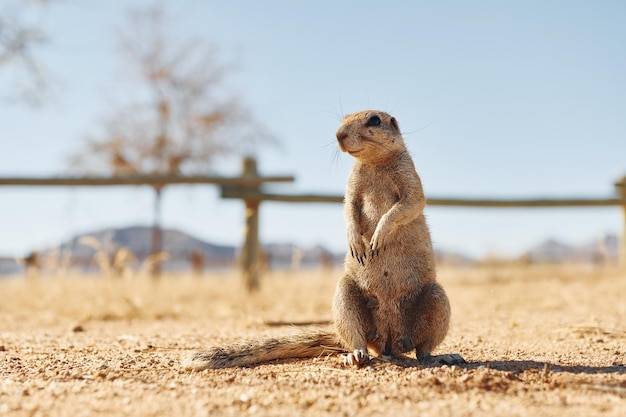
19,41
181,119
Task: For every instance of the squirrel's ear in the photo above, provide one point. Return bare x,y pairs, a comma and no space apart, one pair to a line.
394,123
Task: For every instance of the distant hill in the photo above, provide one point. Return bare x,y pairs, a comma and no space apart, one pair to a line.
444,257
281,256
10,266
138,239
552,251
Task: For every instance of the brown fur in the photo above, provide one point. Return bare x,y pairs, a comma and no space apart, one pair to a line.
388,299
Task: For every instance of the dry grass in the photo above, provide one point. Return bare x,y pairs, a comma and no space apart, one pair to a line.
538,341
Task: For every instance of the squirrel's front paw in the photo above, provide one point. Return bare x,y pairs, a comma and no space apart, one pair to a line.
358,252
377,243
380,236
358,248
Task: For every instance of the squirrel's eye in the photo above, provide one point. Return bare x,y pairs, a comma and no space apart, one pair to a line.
373,121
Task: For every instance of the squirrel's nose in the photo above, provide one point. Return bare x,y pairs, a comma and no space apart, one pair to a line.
341,135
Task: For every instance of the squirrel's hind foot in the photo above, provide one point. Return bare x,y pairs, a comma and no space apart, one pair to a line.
358,358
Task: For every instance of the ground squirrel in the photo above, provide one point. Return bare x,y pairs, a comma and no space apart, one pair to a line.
388,299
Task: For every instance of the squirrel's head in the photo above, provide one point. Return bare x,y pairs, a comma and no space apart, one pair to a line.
370,136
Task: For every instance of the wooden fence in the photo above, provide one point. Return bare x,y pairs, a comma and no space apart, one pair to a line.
249,188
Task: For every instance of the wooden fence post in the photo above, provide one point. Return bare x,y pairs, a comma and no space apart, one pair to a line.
621,192
250,254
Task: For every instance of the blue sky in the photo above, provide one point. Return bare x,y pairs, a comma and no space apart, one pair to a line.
496,99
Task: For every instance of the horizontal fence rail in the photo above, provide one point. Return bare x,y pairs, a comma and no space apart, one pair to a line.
153,180
450,202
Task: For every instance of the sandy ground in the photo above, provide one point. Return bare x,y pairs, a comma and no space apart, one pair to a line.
538,341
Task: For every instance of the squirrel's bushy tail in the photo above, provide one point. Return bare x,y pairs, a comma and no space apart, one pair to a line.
252,352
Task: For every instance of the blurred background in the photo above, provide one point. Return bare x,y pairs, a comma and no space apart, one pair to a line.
495,99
